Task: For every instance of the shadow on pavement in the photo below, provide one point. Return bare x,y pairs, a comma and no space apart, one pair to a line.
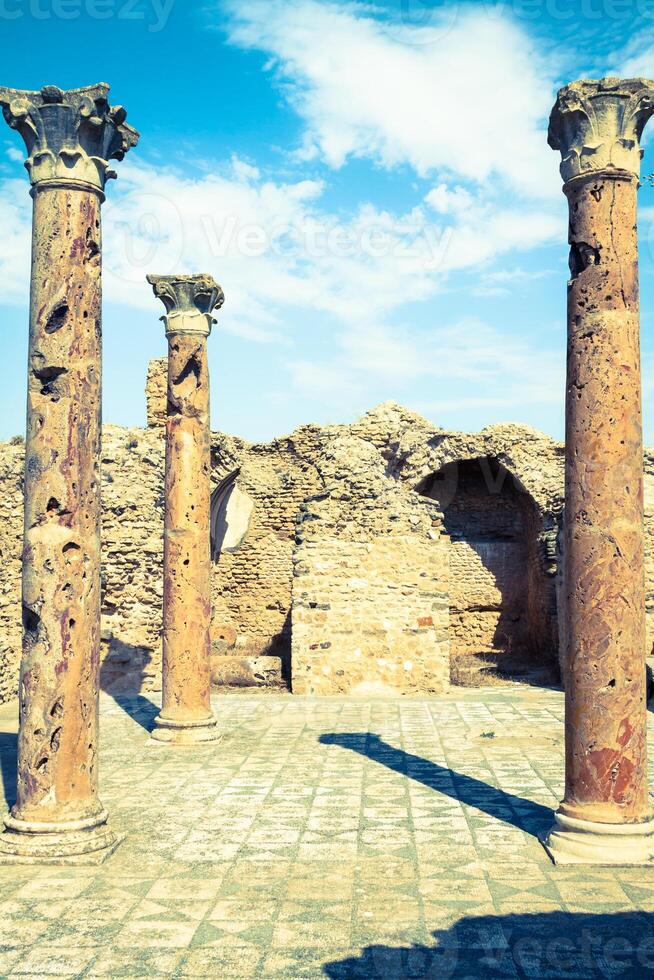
552,945
534,818
8,765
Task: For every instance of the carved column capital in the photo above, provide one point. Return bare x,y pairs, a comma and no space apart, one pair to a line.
70,135
597,125
189,302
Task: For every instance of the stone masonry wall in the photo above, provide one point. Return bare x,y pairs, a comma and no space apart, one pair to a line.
488,596
370,606
11,543
252,586
156,392
499,582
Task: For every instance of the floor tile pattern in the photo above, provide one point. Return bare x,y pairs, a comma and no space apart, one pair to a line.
330,838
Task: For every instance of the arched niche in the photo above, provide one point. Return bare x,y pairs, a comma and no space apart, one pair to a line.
500,592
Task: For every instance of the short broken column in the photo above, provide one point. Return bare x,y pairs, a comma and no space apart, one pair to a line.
70,138
186,716
605,816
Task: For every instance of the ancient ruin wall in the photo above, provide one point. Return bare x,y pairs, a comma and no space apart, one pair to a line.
252,585
11,542
156,392
370,606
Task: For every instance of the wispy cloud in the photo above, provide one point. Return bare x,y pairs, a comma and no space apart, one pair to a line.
500,282
470,99
473,363
276,247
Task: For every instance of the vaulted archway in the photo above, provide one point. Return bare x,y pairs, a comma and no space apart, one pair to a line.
500,593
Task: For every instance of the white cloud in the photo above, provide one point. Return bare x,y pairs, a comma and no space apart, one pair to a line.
471,362
275,248
636,60
288,264
474,102
446,200
15,241
498,282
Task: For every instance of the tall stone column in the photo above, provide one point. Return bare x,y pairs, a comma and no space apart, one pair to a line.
605,816
70,137
186,716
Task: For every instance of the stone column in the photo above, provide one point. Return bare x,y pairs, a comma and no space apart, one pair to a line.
186,716
70,137
605,816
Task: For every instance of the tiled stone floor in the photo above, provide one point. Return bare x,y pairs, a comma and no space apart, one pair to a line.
331,838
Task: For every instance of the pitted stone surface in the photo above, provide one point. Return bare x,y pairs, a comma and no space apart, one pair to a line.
326,835
186,680
595,125
70,137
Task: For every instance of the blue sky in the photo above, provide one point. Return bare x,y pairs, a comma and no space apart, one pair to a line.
369,181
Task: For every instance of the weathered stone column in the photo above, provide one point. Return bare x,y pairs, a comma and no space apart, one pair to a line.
605,816
186,715
70,137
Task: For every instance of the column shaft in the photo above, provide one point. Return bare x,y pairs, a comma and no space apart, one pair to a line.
70,137
57,747
606,745
605,817
186,715
187,591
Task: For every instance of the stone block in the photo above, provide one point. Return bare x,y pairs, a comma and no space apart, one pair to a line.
246,672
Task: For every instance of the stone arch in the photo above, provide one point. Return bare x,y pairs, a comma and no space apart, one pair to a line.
501,595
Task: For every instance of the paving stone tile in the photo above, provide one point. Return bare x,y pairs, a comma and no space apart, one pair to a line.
52,961
157,933
231,961
272,854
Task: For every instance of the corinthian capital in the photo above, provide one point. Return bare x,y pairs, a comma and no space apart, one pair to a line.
189,302
71,135
597,125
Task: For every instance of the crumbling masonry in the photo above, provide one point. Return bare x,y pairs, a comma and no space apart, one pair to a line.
492,539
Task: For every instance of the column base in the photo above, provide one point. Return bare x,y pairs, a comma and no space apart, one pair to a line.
573,841
78,842
175,732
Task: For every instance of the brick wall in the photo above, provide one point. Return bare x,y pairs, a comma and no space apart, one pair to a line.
370,606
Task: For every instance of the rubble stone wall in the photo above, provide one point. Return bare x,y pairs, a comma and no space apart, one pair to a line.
499,582
11,543
253,584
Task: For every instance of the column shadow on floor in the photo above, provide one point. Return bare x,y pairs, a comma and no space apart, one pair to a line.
139,708
8,765
534,818
121,676
557,945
